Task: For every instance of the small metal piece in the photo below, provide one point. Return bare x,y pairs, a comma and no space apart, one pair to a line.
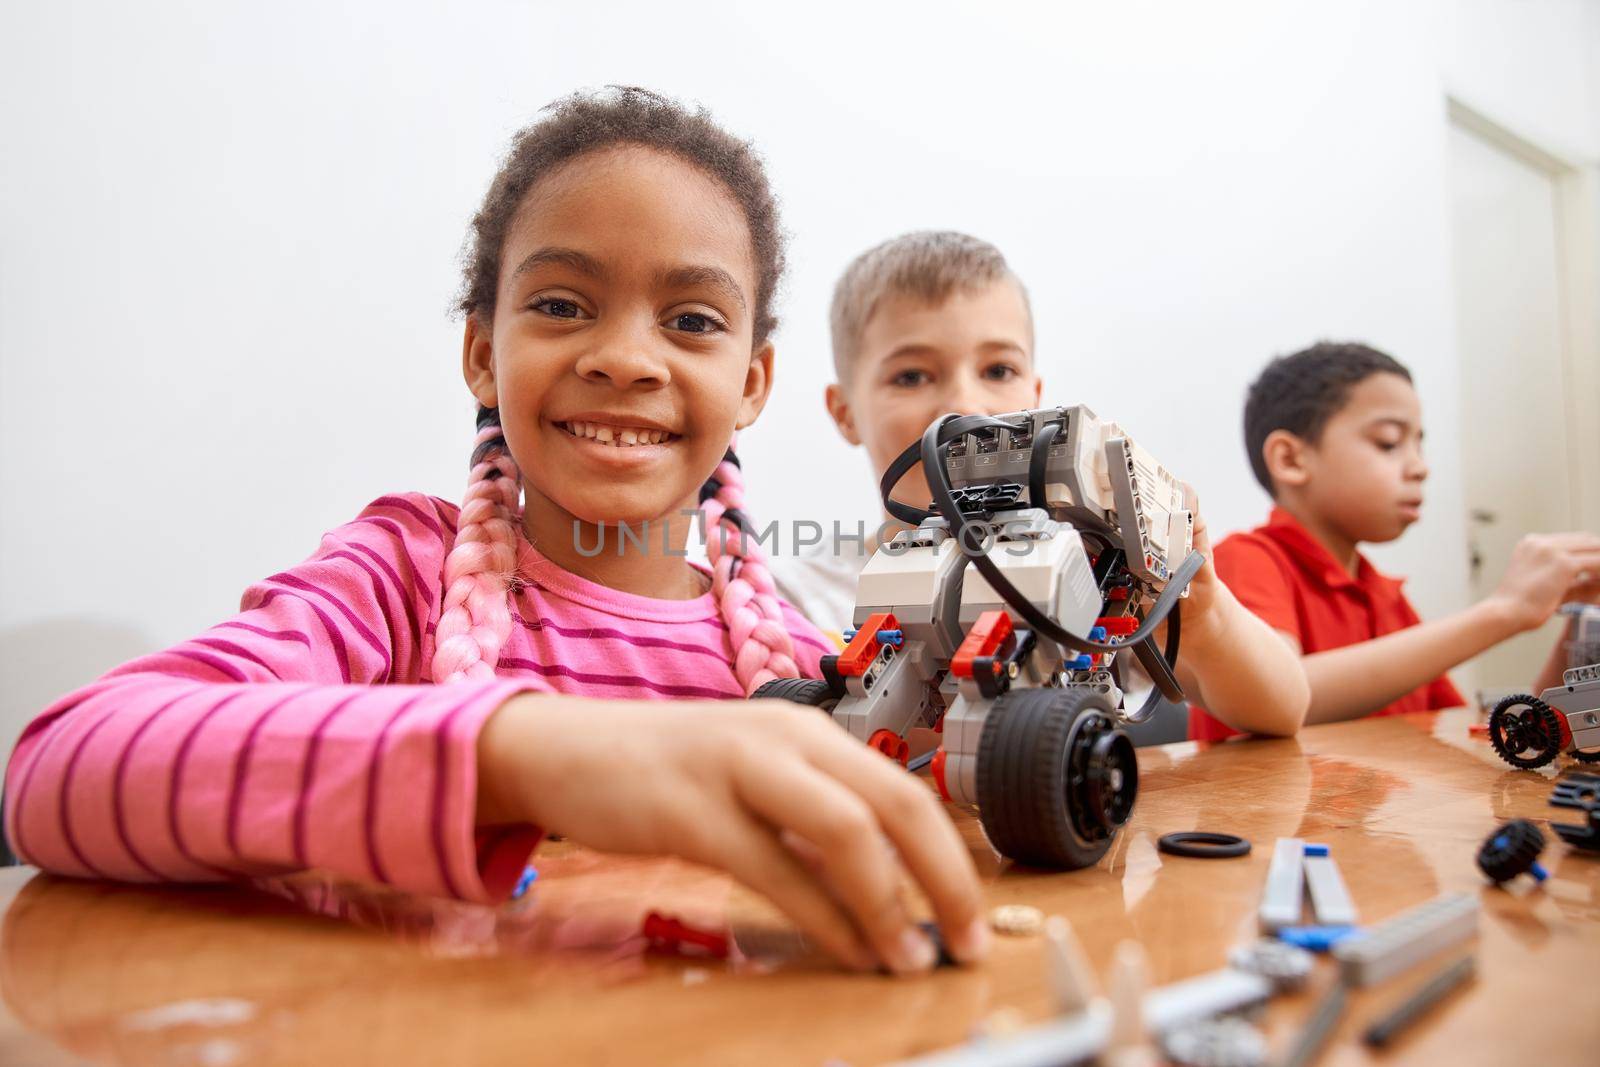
1286,966
1019,920
1308,1043
1203,844
1281,900
1329,897
1215,1043
1395,944
1417,1004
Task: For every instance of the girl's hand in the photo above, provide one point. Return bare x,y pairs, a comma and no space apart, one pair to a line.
728,785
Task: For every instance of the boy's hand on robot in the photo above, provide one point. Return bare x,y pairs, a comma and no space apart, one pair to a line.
776,795
1198,616
1545,571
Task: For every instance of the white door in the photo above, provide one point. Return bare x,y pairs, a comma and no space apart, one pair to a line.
1515,436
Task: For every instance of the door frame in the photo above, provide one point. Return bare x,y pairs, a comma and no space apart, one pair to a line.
1576,183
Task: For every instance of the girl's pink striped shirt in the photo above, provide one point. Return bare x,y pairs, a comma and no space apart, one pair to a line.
303,732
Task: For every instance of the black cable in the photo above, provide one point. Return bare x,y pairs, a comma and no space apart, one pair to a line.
951,426
962,527
956,426
1038,459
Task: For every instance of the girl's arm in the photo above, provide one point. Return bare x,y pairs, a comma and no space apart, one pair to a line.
271,742
775,794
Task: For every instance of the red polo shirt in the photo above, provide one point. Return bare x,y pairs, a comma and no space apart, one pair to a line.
1285,575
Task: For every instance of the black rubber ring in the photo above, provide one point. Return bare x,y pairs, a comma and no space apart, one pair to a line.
1201,845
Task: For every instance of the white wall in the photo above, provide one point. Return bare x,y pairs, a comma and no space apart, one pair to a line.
229,243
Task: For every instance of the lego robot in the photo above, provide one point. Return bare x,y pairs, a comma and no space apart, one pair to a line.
1530,731
1054,549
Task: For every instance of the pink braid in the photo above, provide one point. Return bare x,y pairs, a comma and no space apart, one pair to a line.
762,648
475,620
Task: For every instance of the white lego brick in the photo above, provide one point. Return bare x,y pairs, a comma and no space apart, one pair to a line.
893,581
1071,979
1201,997
1412,936
1050,572
1281,900
1077,1039
1330,900
1126,989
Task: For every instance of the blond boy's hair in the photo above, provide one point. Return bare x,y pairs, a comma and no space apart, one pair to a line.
926,265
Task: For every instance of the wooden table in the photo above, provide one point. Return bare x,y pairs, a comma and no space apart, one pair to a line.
108,974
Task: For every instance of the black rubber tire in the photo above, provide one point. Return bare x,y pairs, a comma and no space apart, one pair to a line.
1586,757
1047,796
812,692
1522,722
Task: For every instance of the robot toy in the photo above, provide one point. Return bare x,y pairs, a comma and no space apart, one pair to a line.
1004,619
1530,731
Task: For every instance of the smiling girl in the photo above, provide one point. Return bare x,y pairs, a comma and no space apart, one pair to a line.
438,686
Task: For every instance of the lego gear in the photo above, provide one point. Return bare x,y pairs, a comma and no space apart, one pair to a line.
1511,850
1521,724
1284,965
1203,845
1056,777
809,691
1215,1043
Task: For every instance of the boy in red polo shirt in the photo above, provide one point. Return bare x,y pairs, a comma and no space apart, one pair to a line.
1334,433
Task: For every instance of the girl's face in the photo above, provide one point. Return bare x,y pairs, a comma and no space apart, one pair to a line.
620,353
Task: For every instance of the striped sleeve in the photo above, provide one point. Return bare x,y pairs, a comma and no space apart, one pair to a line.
270,743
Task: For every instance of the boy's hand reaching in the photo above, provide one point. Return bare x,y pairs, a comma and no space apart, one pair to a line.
1546,571
775,794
